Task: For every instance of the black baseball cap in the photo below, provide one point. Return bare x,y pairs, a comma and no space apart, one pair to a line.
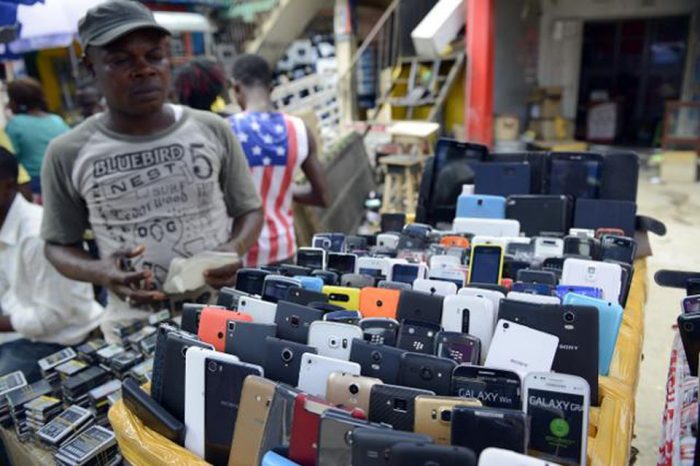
111,20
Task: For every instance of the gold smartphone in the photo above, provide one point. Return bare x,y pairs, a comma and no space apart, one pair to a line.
433,415
253,409
350,391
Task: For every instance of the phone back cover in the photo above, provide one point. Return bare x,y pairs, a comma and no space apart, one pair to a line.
538,166
603,213
293,321
379,302
245,338
370,446
415,305
426,372
394,405
502,178
481,206
689,329
418,454
480,428
335,438
578,347
540,213
278,427
379,361
253,411
173,397
303,443
279,369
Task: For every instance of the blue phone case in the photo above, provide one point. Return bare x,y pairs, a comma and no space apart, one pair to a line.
590,291
481,206
273,459
535,288
609,319
310,283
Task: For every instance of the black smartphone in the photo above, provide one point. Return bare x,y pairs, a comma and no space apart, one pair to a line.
618,248
488,286
419,306
582,246
243,340
378,361
420,454
283,360
293,321
223,384
394,285
228,297
486,264
329,277
251,280
380,330
511,267
539,214
190,317
575,174
341,263
305,297
481,428
392,222
291,270
356,280
418,336
426,372
460,347
394,405
336,436
276,287
537,276
356,243
153,415
689,329
496,388
313,258
372,447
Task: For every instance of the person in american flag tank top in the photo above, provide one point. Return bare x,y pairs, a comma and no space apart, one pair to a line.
276,145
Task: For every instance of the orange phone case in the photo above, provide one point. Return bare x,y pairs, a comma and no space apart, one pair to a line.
213,322
454,242
379,302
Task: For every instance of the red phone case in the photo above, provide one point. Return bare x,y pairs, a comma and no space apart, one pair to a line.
213,322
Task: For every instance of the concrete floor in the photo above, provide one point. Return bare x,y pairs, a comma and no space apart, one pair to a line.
678,206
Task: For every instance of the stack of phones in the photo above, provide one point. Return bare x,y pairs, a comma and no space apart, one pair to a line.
96,445
70,422
49,364
17,401
9,383
87,352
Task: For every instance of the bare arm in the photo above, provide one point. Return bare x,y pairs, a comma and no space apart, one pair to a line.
6,324
316,191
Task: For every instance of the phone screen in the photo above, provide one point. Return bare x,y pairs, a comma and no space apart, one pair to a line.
691,305
375,273
578,178
311,259
486,265
342,263
251,283
276,290
404,273
578,246
492,390
556,425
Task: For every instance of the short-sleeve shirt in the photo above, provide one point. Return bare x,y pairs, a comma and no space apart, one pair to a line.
175,192
276,146
31,134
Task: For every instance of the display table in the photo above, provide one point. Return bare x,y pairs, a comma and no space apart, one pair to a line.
24,453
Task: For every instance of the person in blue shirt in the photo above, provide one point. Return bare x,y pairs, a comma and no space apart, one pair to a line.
32,127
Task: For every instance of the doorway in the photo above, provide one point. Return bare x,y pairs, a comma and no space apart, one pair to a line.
636,63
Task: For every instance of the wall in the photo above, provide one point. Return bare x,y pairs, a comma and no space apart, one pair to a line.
515,62
561,29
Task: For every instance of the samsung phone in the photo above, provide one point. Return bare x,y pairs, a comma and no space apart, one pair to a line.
497,388
480,428
486,264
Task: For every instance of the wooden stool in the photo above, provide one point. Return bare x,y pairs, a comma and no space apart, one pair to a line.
401,183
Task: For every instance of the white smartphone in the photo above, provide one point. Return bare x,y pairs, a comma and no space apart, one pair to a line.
333,339
262,312
557,405
603,275
521,349
483,239
457,275
582,232
500,457
195,392
469,314
533,298
406,273
548,247
373,266
315,370
388,240
444,261
435,287
493,296
314,258
487,226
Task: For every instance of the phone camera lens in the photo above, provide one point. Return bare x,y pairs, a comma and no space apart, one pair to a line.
376,356
287,355
688,326
231,325
354,389
212,366
569,317
379,303
506,325
446,415
426,373
294,321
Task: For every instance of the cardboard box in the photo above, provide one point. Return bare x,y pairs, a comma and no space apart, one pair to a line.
438,28
506,128
679,167
545,129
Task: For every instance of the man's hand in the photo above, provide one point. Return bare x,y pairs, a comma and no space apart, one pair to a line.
222,276
131,287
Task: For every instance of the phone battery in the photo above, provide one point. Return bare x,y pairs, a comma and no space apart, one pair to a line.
159,317
73,419
142,372
99,399
121,363
41,410
17,400
75,388
106,354
147,346
8,383
96,445
70,368
48,364
88,351
133,340
123,330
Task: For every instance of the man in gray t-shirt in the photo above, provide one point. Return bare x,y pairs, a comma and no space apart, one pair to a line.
153,181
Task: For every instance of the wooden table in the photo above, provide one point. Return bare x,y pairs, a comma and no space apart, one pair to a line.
27,453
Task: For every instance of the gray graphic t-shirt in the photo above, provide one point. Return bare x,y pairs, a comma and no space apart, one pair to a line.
174,192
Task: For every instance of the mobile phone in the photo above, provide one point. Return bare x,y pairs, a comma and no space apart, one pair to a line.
582,246
342,262
459,347
521,349
315,258
309,283
388,240
557,405
191,314
278,427
592,292
343,316
356,243
315,369
195,402
262,312
538,289
618,248
350,390
378,361
454,241
379,330
436,287
426,372
275,287
407,273
444,261
251,281
548,247
332,339
419,306
485,264
228,297
496,388
521,251
498,457
304,297
372,447
249,430
691,304
418,336
373,266
293,270
335,437
434,415
379,302
689,329
306,422
600,232
390,285
480,428
539,214
473,315
575,174
345,297
283,360
603,275
243,338
294,320
487,226
394,405
151,413
213,324
392,222
481,206
582,232
537,276
418,454
356,280
329,277
331,242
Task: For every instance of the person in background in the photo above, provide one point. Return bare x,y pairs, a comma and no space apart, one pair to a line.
45,309
32,127
276,145
199,83
89,101
153,181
